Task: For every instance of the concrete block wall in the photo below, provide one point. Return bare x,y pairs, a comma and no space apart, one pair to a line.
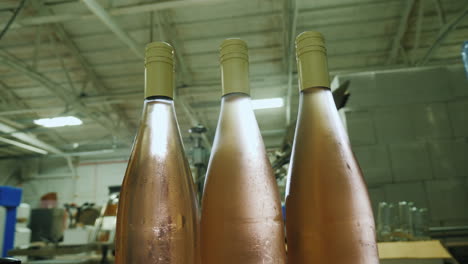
409,131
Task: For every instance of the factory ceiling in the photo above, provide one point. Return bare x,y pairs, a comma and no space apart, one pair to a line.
84,58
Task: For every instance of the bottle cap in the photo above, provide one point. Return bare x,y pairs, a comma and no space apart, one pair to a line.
311,57
234,61
233,48
159,70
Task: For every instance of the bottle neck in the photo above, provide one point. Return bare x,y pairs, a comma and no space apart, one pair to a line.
159,79
164,104
313,70
155,105
235,76
158,125
312,63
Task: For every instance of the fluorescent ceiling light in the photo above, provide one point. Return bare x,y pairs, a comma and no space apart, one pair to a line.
58,121
267,103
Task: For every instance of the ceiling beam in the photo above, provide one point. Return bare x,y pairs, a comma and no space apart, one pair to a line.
28,138
138,80
440,12
18,103
23,146
168,33
129,95
59,91
417,34
257,81
322,26
111,23
286,14
37,46
31,110
443,33
67,41
291,14
105,17
26,70
9,98
33,143
150,7
91,74
136,62
162,6
184,74
125,10
402,28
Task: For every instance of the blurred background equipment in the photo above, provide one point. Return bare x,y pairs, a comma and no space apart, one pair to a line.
47,224
10,199
58,233
200,156
106,223
81,220
9,260
22,232
80,215
49,200
402,221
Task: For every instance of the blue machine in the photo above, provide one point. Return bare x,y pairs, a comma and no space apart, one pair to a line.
10,198
465,56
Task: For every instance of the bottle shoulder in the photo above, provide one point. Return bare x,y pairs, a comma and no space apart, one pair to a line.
237,128
158,141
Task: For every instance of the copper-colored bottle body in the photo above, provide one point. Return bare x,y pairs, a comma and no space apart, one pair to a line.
158,217
329,217
241,214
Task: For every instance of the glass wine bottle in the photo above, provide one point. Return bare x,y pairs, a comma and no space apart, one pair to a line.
328,214
241,210
157,219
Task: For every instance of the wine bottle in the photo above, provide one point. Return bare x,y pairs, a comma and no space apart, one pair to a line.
328,214
157,219
241,210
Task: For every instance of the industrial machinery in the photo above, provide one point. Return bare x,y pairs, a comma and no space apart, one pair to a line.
105,224
199,156
47,225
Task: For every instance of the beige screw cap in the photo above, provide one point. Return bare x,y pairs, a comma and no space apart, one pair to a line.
159,70
234,61
312,63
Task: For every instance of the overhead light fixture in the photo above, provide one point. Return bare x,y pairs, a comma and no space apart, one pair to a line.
268,103
59,121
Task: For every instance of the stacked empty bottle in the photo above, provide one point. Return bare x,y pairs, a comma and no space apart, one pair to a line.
402,221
